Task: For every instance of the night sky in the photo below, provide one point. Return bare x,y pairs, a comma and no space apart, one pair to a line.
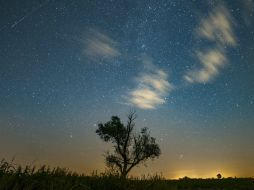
187,67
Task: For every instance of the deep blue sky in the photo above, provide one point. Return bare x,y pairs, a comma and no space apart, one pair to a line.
186,66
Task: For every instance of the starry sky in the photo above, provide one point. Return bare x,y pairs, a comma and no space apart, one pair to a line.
185,66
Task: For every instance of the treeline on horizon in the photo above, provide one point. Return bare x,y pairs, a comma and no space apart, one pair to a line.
14,177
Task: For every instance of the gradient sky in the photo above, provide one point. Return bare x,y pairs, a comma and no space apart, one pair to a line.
187,67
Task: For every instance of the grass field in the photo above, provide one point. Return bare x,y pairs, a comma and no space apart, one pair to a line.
45,178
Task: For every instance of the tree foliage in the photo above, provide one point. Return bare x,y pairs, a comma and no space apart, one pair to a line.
219,176
130,148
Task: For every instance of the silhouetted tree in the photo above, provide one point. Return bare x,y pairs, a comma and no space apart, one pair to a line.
130,149
219,176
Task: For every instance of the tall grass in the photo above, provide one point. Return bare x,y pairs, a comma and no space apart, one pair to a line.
14,177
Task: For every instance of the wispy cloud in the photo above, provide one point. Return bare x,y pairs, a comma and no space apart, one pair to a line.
98,45
212,61
217,28
248,12
152,87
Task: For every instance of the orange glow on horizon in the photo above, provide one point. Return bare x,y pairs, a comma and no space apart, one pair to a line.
194,174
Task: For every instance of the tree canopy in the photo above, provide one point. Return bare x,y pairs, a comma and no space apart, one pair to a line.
130,148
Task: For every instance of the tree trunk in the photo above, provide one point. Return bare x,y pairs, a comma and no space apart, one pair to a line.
124,175
124,172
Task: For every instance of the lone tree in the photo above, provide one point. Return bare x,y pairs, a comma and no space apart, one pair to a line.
130,148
